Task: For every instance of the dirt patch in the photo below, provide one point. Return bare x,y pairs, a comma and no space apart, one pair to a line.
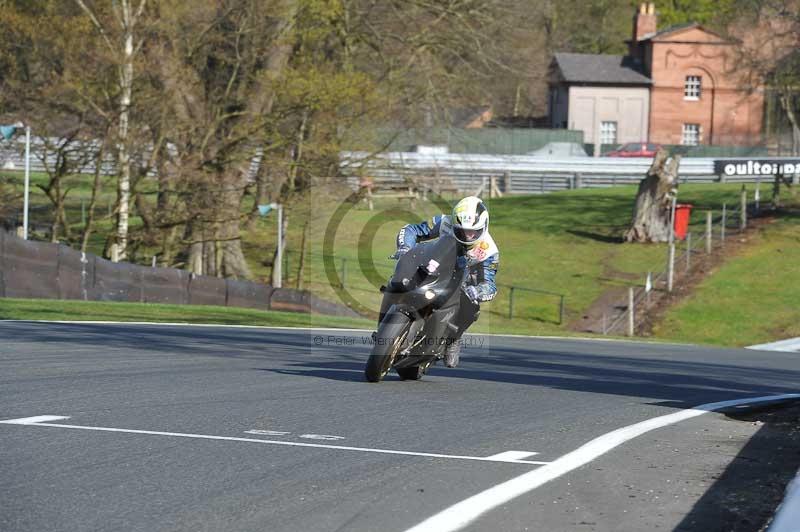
744,498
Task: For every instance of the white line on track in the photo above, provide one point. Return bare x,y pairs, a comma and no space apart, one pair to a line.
791,345
337,329
42,421
463,513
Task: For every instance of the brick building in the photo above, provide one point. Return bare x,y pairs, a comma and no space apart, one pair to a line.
694,93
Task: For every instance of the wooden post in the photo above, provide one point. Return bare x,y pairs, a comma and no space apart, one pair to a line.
507,182
671,267
511,304
709,228
758,194
630,312
688,251
724,223
605,323
743,209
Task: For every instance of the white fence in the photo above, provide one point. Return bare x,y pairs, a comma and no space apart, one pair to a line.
522,174
79,156
517,174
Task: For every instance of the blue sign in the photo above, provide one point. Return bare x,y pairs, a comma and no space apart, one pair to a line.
264,209
7,131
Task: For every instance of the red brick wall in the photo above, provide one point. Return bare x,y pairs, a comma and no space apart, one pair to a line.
728,113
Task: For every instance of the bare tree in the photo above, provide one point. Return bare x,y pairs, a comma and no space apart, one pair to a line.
124,48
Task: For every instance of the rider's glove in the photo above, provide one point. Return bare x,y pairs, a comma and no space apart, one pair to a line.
402,250
472,293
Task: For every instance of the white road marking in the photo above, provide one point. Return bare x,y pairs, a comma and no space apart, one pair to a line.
321,437
511,456
465,512
267,432
28,422
343,329
791,345
33,420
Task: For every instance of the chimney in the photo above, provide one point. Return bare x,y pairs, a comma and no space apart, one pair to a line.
644,22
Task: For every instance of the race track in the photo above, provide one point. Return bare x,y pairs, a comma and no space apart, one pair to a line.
171,427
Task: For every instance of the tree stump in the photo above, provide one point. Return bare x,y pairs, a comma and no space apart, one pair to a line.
651,214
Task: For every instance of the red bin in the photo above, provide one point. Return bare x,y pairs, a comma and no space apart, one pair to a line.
682,213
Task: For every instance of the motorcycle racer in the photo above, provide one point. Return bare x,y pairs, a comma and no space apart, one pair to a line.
469,225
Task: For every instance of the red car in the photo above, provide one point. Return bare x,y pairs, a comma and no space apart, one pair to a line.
635,149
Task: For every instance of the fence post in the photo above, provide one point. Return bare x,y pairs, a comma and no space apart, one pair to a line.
605,323
507,182
561,311
511,304
671,267
688,251
344,272
724,222
758,194
709,227
743,210
630,311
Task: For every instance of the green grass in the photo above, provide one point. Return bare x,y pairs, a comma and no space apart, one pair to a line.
39,309
565,243
753,298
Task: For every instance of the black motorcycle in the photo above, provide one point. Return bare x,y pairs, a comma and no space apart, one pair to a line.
421,302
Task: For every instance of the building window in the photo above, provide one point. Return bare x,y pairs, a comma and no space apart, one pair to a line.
608,133
691,135
691,90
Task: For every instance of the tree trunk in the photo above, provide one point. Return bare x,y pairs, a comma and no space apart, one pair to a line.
786,103
651,215
87,229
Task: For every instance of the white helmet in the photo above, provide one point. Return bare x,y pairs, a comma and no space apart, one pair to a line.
470,220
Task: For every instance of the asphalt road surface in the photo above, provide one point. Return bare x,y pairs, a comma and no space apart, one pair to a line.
169,427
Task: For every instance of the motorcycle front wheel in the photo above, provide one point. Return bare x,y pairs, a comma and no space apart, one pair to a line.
388,343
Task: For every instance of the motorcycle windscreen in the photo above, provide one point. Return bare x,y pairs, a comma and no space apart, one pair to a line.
443,252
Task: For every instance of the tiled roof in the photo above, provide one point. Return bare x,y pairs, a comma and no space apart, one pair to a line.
597,68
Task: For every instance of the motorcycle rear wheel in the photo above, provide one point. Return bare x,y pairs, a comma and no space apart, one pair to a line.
388,343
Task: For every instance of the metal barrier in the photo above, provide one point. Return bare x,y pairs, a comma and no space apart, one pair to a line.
524,174
41,270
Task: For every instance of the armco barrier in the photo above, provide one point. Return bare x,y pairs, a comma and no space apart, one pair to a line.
115,281
205,290
164,285
249,295
30,269
40,270
524,174
291,300
75,273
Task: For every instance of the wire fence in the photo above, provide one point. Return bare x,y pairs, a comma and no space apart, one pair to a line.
629,313
363,277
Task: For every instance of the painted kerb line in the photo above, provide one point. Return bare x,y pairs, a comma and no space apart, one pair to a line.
465,512
41,421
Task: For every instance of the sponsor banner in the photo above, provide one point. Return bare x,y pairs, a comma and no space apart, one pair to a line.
748,167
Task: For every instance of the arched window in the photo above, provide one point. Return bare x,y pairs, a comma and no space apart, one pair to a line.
692,87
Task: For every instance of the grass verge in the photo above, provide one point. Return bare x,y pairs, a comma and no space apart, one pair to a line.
751,299
59,310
